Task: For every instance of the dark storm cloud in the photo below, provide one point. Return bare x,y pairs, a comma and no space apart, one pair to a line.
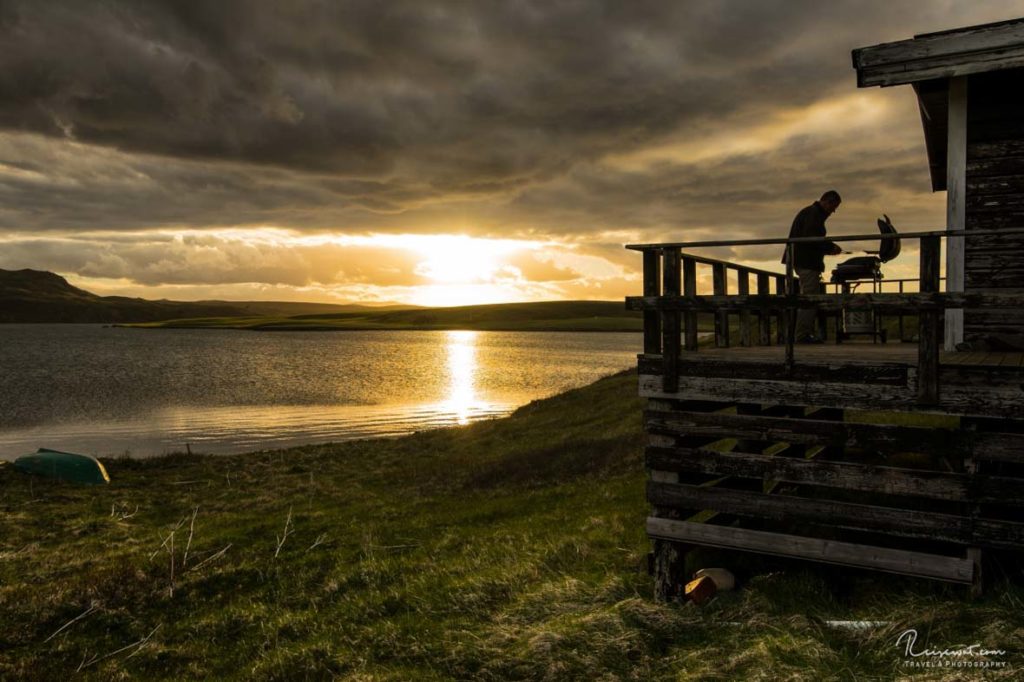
476,97
495,118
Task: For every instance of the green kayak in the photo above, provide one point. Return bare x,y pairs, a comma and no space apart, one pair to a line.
66,466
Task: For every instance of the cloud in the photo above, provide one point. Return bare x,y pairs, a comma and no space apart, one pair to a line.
587,123
468,97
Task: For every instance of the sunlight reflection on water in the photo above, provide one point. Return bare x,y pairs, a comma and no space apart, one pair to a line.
462,401
106,391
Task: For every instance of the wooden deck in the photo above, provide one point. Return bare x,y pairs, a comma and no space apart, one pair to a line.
893,456
848,376
920,497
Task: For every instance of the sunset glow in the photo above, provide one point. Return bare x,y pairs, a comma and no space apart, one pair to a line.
483,162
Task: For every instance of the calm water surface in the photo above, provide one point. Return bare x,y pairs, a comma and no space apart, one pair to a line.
107,391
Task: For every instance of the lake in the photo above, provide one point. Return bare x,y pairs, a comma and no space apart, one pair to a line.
109,391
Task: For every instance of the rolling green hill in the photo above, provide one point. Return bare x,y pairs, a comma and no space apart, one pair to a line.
40,296
542,316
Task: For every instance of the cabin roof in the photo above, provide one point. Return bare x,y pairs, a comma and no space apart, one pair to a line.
945,54
928,60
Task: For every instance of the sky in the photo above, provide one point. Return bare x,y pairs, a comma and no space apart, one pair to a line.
442,153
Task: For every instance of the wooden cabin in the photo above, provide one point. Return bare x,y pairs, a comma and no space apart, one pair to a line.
970,89
905,457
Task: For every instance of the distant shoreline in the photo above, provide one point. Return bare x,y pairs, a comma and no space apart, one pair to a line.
300,328
550,316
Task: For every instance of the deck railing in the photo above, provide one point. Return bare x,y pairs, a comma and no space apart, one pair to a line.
670,302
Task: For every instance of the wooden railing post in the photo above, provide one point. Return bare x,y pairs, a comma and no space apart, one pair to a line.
690,289
671,334
791,293
652,287
901,315
780,321
743,289
721,284
929,334
764,319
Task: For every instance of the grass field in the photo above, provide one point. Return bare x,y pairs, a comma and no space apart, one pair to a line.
509,549
545,316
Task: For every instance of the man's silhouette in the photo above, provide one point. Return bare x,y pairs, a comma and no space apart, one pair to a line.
809,258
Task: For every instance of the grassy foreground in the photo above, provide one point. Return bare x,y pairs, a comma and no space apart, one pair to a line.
511,549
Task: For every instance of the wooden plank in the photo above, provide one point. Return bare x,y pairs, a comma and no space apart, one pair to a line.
785,240
900,561
986,186
851,395
983,390
884,302
836,372
965,42
943,67
956,192
971,50
670,321
845,435
892,521
899,522
704,259
997,149
928,326
869,478
1002,398
971,358
991,167
652,287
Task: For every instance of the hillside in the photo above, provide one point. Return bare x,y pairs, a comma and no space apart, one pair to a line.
39,296
541,316
505,550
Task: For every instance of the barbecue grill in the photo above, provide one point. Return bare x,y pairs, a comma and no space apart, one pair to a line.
866,270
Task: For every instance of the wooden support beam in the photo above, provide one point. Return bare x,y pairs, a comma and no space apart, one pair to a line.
743,289
792,291
903,562
956,193
764,317
690,291
890,373
652,287
671,333
721,287
780,322
928,325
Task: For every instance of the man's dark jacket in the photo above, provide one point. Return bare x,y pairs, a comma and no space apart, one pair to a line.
810,222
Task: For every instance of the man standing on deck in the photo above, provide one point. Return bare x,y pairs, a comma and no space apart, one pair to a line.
809,258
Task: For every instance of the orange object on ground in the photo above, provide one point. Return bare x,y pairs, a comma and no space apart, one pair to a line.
700,590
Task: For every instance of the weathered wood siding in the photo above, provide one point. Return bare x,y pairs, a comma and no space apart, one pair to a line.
995,197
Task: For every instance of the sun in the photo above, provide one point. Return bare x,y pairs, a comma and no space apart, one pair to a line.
449,269
461,260
462,270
